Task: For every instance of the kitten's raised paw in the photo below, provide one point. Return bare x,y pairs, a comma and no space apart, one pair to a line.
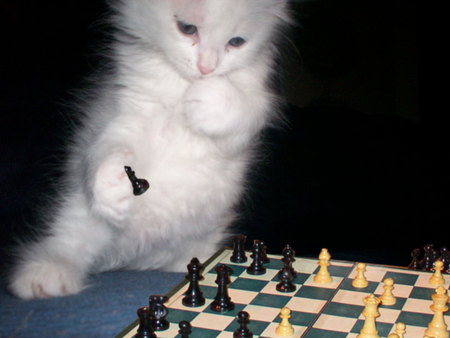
213,106
44,280
112,191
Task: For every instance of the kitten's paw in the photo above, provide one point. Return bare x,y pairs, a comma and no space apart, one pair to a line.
213,106
44,280
112,190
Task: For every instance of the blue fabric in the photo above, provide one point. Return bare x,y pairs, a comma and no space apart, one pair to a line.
103,310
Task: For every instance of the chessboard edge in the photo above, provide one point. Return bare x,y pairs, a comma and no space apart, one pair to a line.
132,325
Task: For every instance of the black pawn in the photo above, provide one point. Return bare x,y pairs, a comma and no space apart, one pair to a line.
194,296
428,258
415,262
158,312
222,302
140,185
256,267
289,258
264,257
185,329
238,255
286,278
243,331
145,329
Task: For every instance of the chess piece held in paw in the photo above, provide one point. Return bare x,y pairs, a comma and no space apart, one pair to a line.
140,185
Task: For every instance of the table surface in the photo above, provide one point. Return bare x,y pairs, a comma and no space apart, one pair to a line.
101,310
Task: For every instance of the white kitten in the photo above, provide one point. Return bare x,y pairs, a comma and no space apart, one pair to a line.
187,99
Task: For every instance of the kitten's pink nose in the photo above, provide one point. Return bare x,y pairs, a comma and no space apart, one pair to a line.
207,60
205,69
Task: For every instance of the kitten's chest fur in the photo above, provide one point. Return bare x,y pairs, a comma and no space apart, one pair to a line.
188,173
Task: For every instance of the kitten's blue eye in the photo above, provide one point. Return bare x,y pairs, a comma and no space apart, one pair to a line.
236,41
186,28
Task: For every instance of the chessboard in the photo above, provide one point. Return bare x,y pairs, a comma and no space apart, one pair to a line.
333,309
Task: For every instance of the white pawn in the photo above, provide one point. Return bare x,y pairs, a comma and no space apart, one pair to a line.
387,298
400,330
436,279
360,280
285,328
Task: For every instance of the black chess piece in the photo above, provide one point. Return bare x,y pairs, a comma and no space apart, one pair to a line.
243,318
140,185
445,258
185,329
288,252
415,262
238,255
264,258
286,278
194,296
289,258
145,329
222,302
435,256
428,258
158,312
256,267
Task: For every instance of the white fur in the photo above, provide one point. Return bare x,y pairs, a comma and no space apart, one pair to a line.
190,135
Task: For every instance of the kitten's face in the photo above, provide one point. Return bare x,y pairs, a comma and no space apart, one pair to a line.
206,37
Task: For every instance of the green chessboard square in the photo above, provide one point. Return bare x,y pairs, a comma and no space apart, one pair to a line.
317,333
383,328
347,285
270,300
299,318
343,310
208,291
248,284
401,278
339,271
232,313
315,292
399,303
416,319
257,327
176,316
275,264
421,293
237,270
301,278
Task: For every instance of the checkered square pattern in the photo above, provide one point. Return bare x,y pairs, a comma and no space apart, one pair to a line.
317,310
342,317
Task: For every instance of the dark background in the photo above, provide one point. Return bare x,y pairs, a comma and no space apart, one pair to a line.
358,169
